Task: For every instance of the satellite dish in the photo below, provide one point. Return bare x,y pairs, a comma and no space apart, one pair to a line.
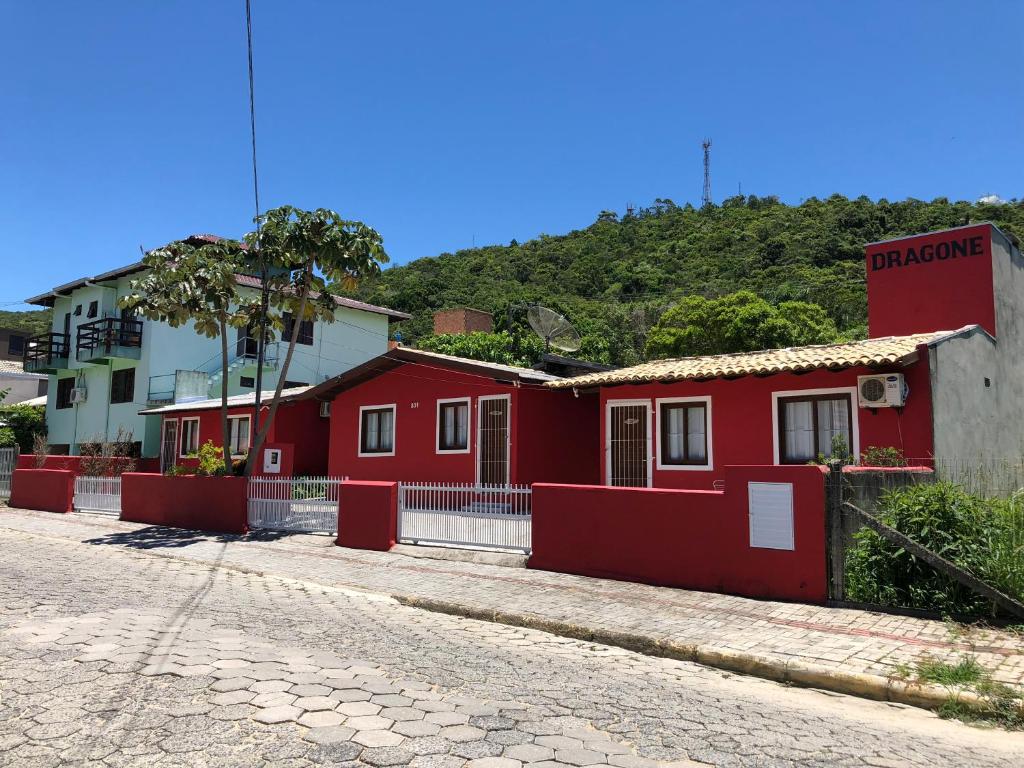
556,331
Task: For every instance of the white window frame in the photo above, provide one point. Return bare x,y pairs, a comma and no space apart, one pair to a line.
181,436
706,400
231,431
468,402
854,427
394,430
480,401
646,402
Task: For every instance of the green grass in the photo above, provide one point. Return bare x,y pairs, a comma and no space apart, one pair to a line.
967,671
1000,704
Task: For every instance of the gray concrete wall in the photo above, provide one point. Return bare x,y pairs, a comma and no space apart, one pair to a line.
978,382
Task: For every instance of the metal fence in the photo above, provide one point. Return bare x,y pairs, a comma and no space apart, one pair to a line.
98,494
8,457
466,515
307,504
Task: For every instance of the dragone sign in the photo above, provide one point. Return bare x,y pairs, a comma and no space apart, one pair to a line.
941,281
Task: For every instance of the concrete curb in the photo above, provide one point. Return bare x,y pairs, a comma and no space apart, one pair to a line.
798,673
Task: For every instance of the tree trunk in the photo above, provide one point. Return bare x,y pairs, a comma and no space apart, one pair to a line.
225,430
250,464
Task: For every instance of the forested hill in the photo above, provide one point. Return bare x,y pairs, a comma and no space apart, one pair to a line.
615,278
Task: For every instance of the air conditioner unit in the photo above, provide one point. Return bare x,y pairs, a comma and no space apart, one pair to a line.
887,390
79,395
325,410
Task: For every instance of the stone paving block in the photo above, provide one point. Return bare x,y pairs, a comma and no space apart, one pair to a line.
270,686
277,699
378,738
386,756
369,723
447,718
314,703
391,700
348,695
309,689
327,734
278,714
321,719
402,713
233,697
529,753
358,708
580,757
559,742
459,733
416,728
495,762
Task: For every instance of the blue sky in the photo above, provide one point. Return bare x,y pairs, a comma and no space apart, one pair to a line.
446,123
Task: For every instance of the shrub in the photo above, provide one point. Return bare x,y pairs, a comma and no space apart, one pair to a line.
26,422
876,456
175,470
40,449
976,534
109,459
7,437
211,460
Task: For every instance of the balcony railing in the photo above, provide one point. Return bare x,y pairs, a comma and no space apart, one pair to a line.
46,353
108,338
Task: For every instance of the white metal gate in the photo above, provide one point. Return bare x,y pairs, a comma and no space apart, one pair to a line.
308,504
8,457
98,494
480,516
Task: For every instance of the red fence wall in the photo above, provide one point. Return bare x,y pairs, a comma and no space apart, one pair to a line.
368,515
74,463
48,490
217,504
690,539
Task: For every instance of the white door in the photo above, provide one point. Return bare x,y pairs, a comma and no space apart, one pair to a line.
628,444
493,445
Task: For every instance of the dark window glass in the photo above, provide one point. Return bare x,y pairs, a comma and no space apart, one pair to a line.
78,310
16,345
94,309
290,384
377,431
246,381
810,426
122,386
64,387
453,427
60,449
684,434
305,330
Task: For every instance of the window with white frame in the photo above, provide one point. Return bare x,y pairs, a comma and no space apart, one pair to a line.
684,428
812,425
238,430
453,426
189,436
377,430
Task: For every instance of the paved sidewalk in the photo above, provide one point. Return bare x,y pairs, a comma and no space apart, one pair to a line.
846,650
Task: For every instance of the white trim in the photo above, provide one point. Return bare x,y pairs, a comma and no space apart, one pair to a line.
248,439
181,434
707,467
394,430
854,426
608,438
508,434
469,427
163,438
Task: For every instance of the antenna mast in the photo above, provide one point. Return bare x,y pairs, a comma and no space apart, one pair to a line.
706,198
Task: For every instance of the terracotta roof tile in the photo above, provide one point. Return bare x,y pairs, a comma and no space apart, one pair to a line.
880,351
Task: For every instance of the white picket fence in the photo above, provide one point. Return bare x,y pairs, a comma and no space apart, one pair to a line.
466,515
8,458
307,504
98,494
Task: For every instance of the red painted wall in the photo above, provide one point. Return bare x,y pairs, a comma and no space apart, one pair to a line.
688,539
544,427
215,504
48,490
936,282
368,515
297,428
742,410
73,463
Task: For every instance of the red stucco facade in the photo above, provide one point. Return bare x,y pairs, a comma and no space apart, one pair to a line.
553,434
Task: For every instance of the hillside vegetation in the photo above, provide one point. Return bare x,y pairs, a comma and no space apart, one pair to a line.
617,277
32,322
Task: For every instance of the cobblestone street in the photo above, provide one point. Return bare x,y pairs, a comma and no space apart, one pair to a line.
128,657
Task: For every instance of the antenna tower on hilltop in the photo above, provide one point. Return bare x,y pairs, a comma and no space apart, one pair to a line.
706,198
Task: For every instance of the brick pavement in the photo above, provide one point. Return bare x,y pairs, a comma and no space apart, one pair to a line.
848,641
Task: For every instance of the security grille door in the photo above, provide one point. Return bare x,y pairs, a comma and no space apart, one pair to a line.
629,445
169,445
493,445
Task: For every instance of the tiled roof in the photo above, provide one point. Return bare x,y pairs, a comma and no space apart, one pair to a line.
17,367
880,351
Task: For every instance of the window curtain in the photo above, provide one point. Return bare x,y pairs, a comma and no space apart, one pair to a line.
675,435
833,421
799,430
696,435
387,430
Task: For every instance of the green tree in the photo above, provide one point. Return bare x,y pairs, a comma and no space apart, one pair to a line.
197,283
25,422
500,347
305,252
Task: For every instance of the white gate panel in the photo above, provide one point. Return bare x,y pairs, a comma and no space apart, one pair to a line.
306,504
98,494
479,516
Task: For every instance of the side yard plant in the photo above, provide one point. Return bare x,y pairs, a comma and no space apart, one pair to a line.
984,536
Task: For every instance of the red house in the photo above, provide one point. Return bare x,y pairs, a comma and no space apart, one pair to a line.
411,415
296,444
940,378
